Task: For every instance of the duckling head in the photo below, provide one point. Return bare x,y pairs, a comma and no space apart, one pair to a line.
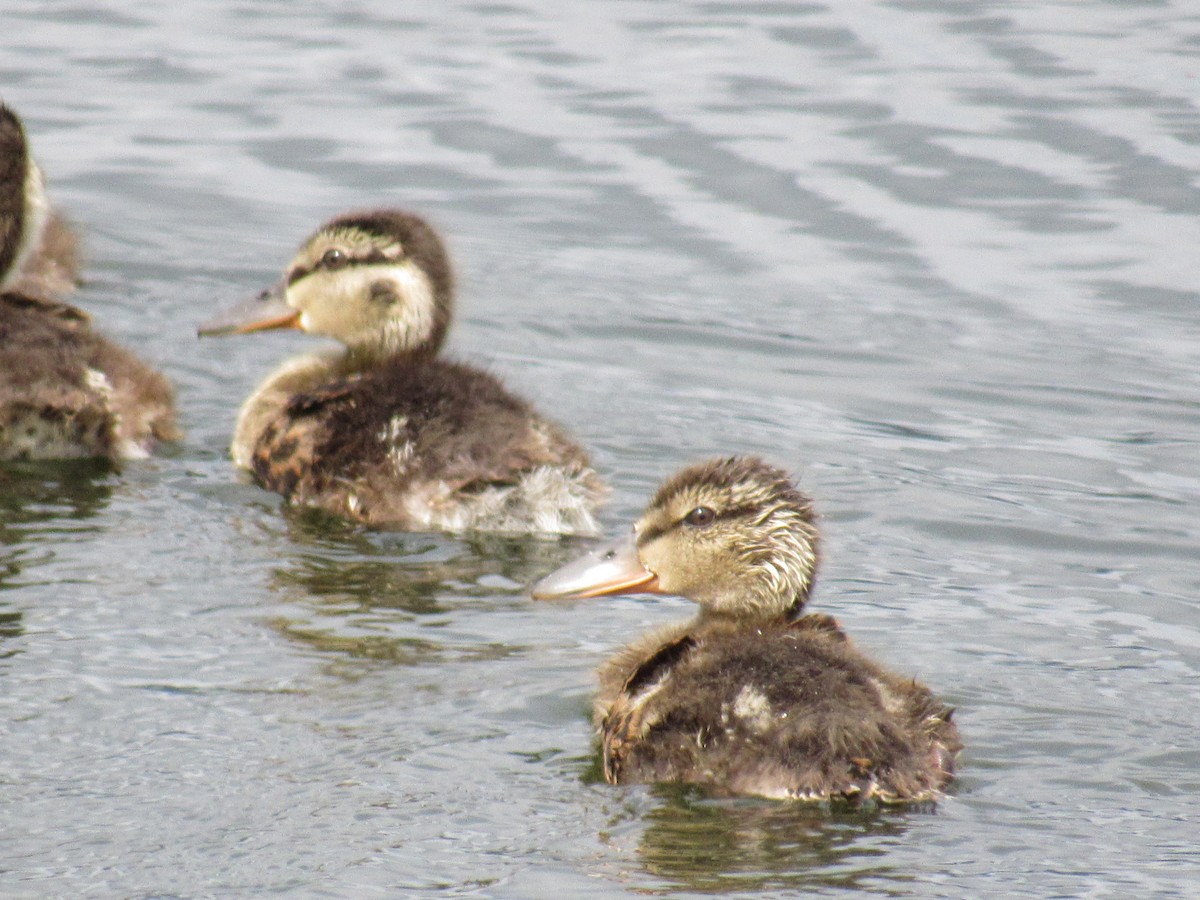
24,207
734,535
378,281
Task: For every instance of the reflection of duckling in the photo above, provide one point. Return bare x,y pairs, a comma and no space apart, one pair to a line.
750,697
65,391
385,432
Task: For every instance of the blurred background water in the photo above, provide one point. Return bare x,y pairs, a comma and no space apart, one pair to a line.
939,259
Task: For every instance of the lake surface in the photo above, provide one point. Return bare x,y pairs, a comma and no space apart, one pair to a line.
939,259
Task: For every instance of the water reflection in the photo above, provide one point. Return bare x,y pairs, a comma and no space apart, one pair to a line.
402,598
32,492
342,565
357,652
40,503
10,627
709,845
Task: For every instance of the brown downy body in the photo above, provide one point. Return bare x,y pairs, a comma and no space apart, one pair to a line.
65,391
385,432
752,696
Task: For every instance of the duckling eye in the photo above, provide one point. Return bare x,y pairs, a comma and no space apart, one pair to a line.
333,258
699,517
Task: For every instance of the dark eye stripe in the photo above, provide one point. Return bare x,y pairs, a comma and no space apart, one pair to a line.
297,273
378,256
734,512
373,258
650,534
720,515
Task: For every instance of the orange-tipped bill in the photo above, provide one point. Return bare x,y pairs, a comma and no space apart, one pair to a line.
611,569
266,311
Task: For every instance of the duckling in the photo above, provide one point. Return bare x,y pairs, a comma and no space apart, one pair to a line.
39,252
752,696
65,391
383,431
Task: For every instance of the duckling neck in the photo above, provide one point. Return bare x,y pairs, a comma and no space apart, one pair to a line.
363,358
754,609
709,619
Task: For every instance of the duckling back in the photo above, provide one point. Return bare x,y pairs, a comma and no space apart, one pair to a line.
425,444
788,712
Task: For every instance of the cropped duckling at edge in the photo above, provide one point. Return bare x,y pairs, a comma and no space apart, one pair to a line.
751,696
65,391
384,431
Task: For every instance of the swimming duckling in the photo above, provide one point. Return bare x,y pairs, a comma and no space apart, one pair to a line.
65,391
383,431
751,696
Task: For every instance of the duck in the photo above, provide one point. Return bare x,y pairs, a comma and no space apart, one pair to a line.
753,696
383,430
66,391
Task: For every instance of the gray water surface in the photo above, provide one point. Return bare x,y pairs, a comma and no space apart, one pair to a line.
939,259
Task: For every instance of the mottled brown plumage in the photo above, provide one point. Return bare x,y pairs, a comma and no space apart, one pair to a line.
39,254
65,391
385,432
752,696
